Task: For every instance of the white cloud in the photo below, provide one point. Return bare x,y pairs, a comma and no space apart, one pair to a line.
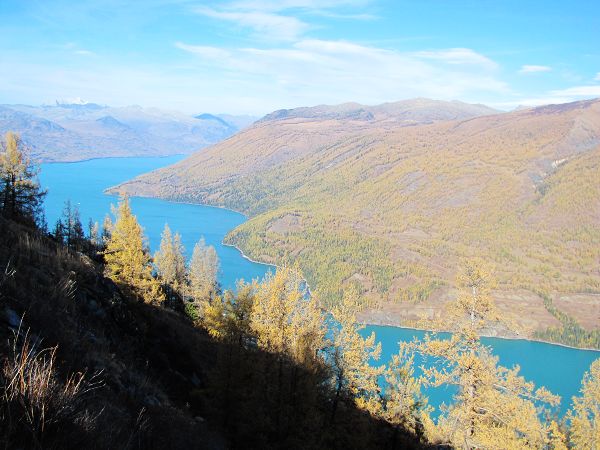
84,52
275,20
597,78
578,91
283,5
459,56
315,71
204,51
556,96
264,25
534,69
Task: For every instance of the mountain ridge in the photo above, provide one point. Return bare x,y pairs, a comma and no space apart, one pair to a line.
77,131
394,208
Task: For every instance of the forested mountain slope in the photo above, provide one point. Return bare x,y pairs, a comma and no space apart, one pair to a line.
392,207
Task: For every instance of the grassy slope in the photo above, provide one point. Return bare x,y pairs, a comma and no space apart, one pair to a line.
157,381
395,207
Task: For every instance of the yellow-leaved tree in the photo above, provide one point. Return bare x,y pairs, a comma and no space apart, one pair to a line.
585,414
284,320
352,355
170,262
404,405
128,260
494,407
20,194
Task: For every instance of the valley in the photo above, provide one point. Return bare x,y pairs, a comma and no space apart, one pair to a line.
393,198
65,181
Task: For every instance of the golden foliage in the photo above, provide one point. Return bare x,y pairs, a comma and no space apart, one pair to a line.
585,415
128,261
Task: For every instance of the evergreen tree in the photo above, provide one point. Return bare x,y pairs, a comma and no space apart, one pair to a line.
20,194
494,407
72,229
59,231
204,267
352,355
585,415
127,258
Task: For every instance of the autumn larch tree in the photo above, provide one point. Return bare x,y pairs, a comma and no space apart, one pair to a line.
20,194
585,415
128,260
494,407
170,263
352,356
404,405
202,276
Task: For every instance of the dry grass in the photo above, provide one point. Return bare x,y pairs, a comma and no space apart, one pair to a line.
39,410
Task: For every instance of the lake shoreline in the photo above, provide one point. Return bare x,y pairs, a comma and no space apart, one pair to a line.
367,321
386,324
95,158
508,338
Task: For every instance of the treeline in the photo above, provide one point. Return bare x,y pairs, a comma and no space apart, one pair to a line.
287,375
570,332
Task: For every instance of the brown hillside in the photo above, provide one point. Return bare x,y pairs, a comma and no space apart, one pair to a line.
395,207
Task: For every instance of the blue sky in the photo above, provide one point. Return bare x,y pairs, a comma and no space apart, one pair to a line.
255,56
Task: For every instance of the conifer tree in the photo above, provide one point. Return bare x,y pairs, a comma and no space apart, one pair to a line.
72,229
59,231
170,262
284,320
94,234
585,414
203,270
403,403
494,407
228,318
20,194
180,263
164,258
352,356
106,229
128,260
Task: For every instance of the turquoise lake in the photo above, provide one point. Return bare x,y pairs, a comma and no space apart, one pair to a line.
558,368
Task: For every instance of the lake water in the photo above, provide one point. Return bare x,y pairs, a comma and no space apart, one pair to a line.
84,183
558,368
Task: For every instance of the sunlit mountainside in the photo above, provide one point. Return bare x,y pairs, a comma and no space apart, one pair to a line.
392,197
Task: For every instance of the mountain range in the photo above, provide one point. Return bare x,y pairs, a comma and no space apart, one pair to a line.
394,197
77,131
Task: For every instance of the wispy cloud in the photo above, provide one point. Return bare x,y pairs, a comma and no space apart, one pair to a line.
278,20
597,78
578,91
207,52
84,52
458,56
534,69
316,71
283,5
263,24
555,96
